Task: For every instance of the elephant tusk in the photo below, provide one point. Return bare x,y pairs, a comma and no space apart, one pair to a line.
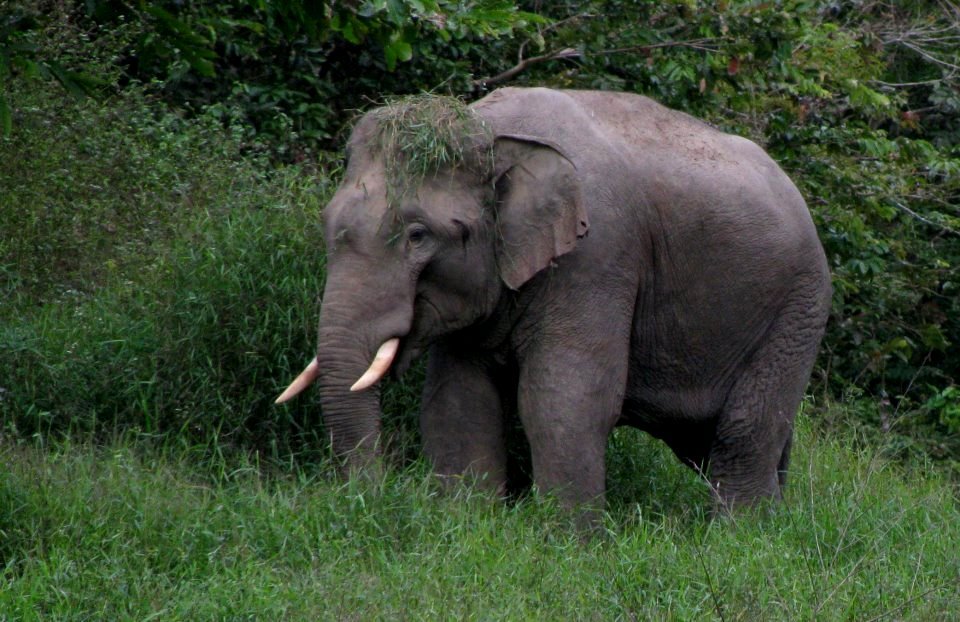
379,366
301,382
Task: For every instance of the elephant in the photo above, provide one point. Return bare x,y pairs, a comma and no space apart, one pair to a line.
580,260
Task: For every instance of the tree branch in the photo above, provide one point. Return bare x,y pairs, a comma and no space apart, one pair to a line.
923,219
703,45
523,64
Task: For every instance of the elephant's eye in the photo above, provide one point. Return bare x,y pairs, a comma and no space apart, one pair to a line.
417,234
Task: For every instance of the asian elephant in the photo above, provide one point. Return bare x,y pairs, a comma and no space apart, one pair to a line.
582,260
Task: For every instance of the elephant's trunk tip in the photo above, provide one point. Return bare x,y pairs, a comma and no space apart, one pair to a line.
301,382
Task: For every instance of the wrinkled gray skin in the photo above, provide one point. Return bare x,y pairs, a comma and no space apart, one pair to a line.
632,266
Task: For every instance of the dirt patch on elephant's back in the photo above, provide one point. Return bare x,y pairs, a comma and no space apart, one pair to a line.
647,126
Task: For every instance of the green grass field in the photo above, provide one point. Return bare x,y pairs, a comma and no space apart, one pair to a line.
122,532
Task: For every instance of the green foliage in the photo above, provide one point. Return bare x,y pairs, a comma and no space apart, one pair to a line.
945,405
90,189
26,52
294,71
128,532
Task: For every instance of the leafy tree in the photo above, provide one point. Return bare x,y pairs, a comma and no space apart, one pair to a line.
294,71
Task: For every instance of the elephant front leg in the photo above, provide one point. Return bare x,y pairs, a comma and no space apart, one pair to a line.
462,418
569,401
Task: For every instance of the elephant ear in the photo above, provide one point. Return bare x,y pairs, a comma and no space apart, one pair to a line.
540,212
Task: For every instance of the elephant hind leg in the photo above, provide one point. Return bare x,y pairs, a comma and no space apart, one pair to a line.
750,452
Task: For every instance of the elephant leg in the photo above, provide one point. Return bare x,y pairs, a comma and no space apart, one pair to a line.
462,418
569,400
750,452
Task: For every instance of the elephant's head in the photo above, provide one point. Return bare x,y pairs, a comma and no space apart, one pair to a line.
441,209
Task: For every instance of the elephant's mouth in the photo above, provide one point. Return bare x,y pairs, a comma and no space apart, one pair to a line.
407,353
413,344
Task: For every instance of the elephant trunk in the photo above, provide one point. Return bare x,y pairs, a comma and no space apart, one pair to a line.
356,346
359,335
352,418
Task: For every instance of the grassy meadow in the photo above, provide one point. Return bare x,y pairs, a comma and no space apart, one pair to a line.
118,531
158,287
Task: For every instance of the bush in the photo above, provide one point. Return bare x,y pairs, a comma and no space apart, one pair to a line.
293,72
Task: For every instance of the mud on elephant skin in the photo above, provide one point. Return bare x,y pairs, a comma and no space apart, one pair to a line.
581,260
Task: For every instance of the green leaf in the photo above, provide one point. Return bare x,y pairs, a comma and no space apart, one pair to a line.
397,49
28,67
76,83
862,96
347,26
932,337
371,8
66,80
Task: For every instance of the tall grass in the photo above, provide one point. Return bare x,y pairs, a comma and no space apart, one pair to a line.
156,276
120,532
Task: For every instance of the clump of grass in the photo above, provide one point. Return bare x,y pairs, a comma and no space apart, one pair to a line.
420,135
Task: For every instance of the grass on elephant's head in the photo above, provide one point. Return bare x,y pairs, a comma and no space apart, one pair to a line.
419,135
124,531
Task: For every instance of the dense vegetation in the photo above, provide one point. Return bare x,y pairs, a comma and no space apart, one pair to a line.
163,165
